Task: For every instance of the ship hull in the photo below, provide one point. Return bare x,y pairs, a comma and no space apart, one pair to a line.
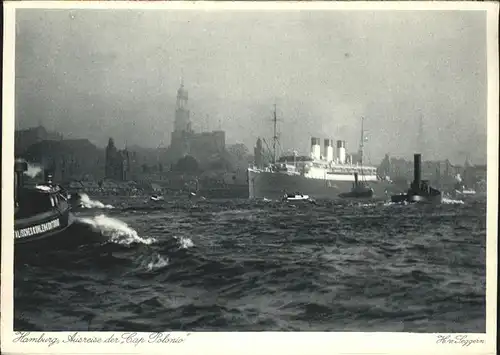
239,191
436,199
46,225
357,194
263,184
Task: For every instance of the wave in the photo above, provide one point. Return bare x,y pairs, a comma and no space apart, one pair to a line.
154,262
185,242
117,231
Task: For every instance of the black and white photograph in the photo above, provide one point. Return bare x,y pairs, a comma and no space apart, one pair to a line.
253,169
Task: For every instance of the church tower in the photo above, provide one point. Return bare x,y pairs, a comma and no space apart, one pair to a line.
182,122
182,133
111,163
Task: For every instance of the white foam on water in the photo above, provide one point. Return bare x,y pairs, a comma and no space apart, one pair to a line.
450,201
87,202
157,262
185,242
367,204
444,200
118,231
390,203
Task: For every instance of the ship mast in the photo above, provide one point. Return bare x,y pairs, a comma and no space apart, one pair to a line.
275,136
362,145
362,141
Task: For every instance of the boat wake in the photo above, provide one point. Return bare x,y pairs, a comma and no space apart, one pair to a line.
87,202
450,201
115,230
444,200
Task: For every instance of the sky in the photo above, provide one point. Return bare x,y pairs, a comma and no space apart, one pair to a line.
114,73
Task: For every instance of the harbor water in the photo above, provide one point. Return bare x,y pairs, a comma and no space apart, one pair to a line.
240,265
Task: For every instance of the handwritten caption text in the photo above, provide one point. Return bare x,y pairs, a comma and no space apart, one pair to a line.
134,339
462,340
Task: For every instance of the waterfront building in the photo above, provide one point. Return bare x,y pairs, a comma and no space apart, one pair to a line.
117,163
25,138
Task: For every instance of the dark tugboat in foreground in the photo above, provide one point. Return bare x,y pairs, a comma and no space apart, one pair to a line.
419,190
40,211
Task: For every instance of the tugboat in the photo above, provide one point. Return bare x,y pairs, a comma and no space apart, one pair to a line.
419,190
40,211
461,190
359,190
464,192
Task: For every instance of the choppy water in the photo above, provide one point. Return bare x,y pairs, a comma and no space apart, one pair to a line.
243,265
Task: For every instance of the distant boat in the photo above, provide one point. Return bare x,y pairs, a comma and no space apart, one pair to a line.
296,197
157,198
420,190
40,211
461,190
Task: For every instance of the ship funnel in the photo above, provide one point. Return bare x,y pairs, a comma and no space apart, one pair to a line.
20,167
417,173
341,153
315,148
328,149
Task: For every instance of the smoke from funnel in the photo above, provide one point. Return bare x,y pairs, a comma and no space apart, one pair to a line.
33,169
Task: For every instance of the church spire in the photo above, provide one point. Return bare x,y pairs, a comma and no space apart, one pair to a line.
182,122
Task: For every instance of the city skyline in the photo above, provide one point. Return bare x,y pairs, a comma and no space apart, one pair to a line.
90,74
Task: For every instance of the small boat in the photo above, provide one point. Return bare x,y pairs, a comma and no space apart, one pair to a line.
157,198
40,211
420,190
461,190
359,190
296,197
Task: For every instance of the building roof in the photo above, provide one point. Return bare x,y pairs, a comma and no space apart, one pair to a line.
78,146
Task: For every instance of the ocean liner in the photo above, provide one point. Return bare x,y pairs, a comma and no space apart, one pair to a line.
321,176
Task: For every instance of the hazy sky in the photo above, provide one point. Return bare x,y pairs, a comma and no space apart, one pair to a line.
102,73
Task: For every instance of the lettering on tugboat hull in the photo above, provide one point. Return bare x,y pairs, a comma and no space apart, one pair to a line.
37,229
